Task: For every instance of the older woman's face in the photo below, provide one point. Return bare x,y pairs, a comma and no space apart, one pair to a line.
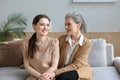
42,27
70,26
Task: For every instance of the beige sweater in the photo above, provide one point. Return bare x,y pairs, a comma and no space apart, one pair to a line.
78,60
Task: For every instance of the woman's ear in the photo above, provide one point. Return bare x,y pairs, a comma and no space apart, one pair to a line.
79,25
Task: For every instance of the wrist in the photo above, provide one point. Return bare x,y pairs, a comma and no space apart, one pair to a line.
54,74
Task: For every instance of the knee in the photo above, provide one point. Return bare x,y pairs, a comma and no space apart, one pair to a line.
70,75
60,77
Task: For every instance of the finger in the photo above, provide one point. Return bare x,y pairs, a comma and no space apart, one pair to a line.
46,76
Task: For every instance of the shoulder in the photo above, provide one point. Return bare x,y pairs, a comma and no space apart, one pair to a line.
62,38
53,40
25,47
86,41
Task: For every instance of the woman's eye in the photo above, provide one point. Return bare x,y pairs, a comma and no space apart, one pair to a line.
67,24
41,24
48,25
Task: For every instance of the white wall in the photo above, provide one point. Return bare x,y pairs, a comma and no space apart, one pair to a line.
100,17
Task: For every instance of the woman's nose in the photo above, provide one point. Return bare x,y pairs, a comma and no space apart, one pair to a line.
66,27
45,26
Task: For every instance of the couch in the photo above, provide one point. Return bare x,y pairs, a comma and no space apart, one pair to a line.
101,58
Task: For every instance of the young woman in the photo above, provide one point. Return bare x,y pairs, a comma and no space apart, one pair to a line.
41,53
74,51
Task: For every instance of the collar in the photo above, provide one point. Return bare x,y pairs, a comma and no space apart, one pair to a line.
80,42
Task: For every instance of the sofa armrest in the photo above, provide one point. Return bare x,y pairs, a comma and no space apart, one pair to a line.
117,63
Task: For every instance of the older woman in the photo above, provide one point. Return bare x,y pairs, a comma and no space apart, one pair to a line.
74,51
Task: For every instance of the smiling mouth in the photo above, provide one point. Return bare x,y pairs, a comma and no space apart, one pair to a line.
44,31
68,30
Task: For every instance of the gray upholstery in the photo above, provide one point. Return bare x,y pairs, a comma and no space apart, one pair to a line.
109,54
97,55
105,73
108,72
117,63
13,73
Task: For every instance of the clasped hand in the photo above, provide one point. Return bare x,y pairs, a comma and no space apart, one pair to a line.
48,75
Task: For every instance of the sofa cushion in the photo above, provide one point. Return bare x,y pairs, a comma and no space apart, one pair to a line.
11,53
13,73
97,55
105,73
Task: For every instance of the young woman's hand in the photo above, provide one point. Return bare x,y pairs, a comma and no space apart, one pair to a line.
49,75
41,77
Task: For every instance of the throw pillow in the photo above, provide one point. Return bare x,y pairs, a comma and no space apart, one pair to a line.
11,53
97,55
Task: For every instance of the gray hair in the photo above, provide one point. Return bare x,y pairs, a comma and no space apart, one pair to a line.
77,18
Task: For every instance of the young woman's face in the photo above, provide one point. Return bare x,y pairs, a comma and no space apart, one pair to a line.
42,27
70,26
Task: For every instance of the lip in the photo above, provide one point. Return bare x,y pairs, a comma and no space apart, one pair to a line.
68,30
44,31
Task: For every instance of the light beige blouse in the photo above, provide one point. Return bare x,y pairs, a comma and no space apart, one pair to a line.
46,53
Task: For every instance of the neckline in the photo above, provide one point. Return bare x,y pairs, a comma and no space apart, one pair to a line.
40,41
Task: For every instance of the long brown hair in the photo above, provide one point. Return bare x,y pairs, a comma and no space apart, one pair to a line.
33,39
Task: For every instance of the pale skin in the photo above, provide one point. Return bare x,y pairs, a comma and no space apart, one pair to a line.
72,29
41,29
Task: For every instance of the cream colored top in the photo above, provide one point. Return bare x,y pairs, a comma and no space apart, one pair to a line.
47,55
71,47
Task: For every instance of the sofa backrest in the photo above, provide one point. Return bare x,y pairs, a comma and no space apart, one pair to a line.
110,54
101,53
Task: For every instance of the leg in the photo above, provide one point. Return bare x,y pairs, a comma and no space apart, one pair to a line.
70,75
